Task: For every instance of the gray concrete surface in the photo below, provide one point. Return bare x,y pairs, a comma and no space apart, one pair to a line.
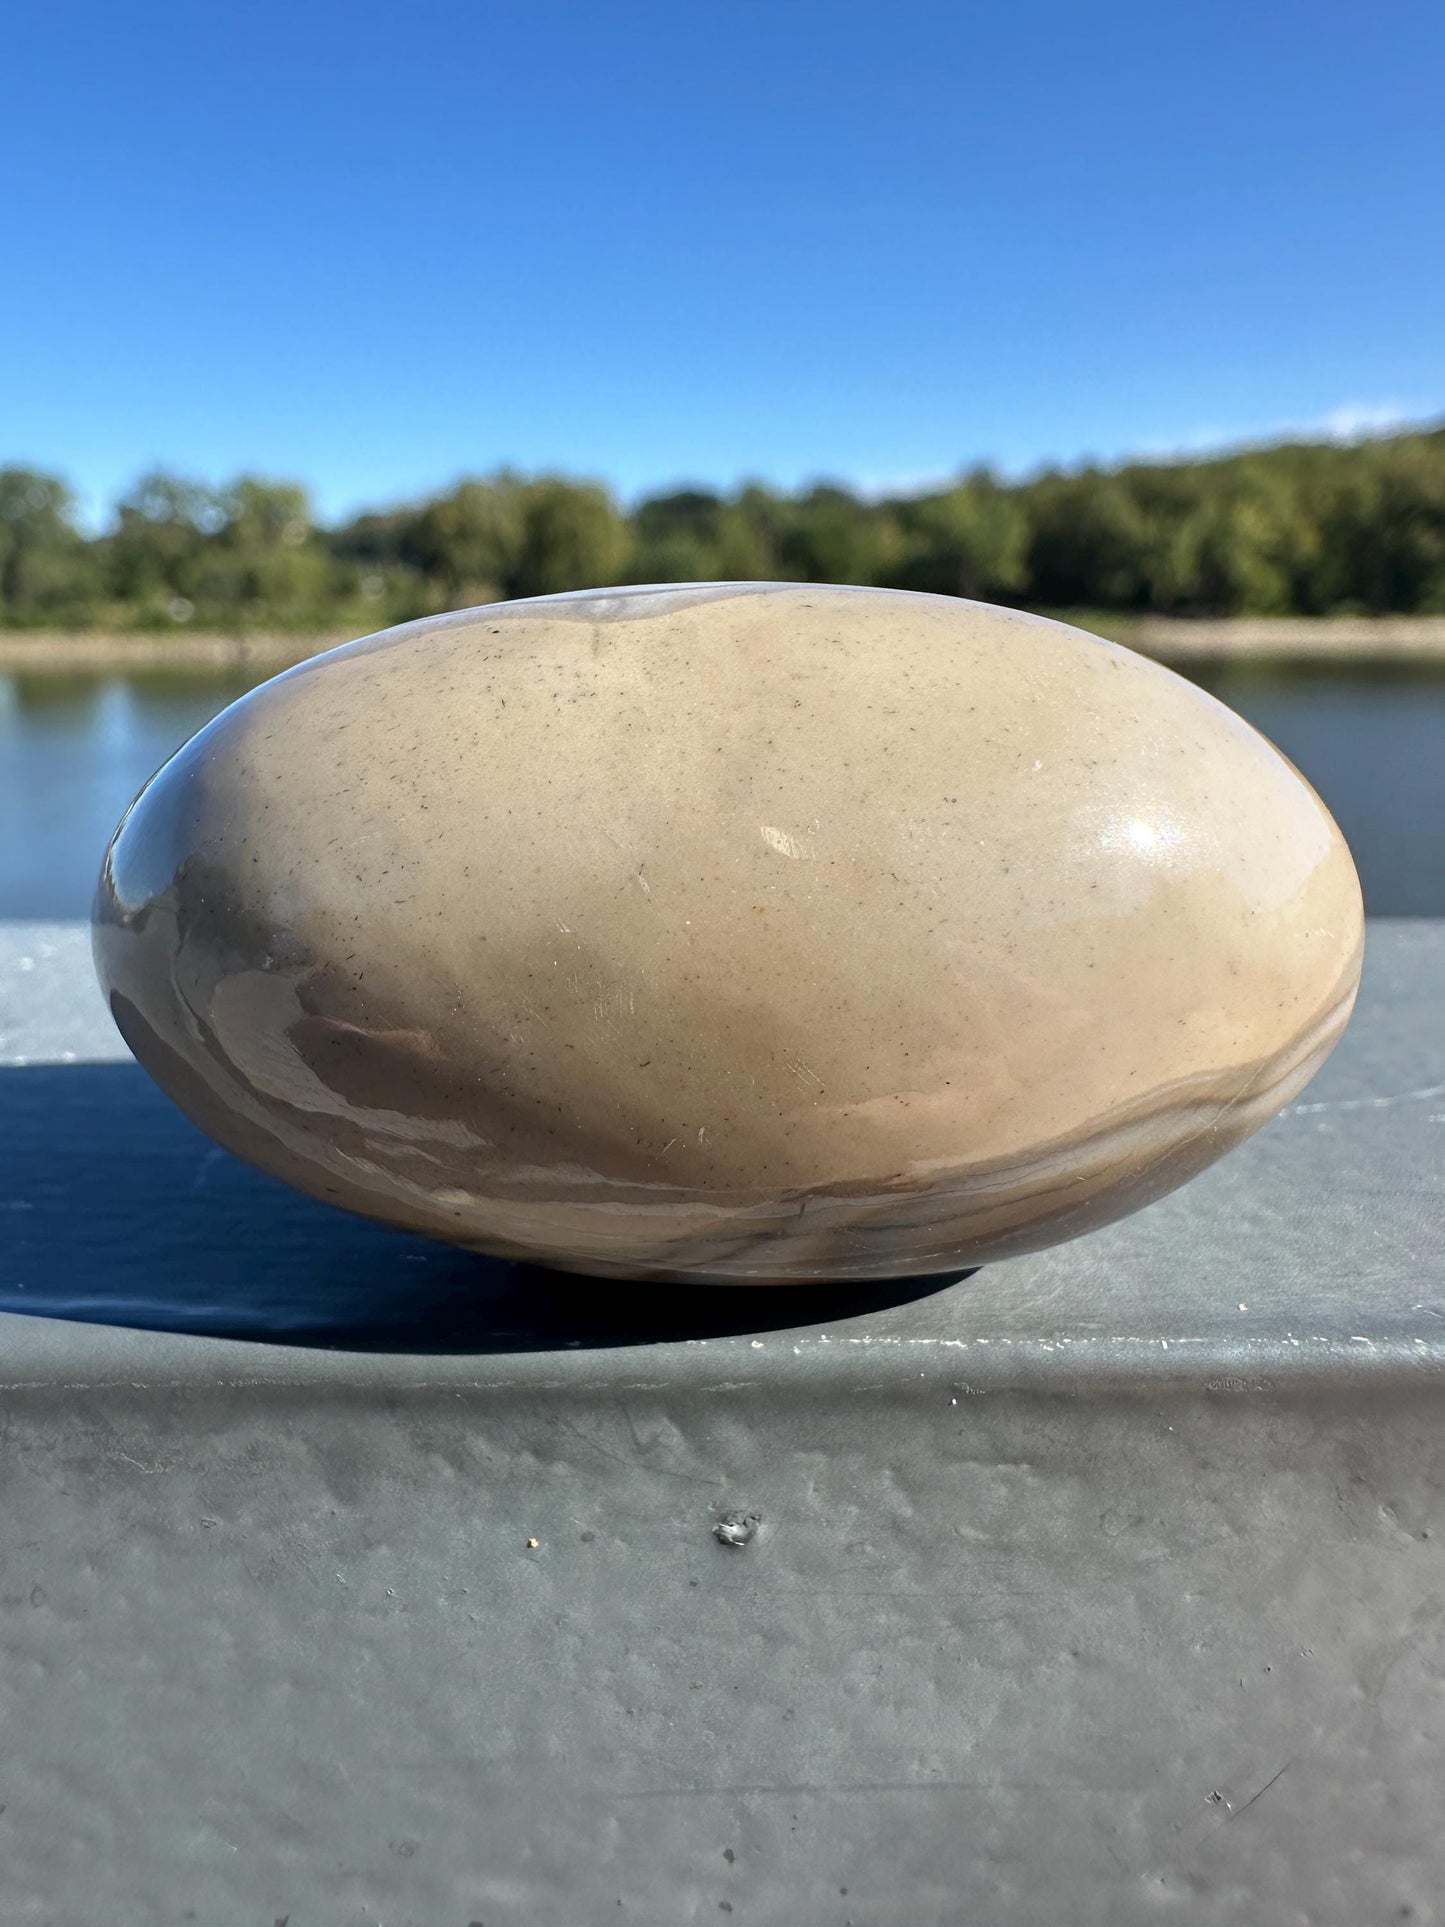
1105,1586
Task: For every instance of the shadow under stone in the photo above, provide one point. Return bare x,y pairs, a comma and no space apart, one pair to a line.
116,1210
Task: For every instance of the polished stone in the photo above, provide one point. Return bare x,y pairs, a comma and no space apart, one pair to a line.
739,931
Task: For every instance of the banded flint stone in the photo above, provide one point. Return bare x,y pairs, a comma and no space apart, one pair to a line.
731,931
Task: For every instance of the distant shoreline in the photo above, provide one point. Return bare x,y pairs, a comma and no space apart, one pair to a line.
1363,639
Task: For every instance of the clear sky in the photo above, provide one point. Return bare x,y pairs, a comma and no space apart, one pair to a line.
374,246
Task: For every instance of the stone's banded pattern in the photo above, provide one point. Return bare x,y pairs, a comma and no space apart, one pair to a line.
731,931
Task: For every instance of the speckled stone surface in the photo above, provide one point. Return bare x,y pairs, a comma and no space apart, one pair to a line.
731,931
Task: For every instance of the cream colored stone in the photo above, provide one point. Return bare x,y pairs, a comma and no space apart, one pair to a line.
731,931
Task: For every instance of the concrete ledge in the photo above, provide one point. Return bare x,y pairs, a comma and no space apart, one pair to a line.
1099,1584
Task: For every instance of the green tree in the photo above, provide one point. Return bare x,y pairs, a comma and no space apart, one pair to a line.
572,538
48,571
1087,542
829,535
970,541
263,563
678,537
469,542
154,555
1306,528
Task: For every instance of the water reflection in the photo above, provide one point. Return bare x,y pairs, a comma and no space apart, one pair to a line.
74,749
1371,739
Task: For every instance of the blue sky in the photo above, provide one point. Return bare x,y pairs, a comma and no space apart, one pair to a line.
373,247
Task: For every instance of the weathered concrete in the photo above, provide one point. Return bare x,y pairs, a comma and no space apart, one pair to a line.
1100,1586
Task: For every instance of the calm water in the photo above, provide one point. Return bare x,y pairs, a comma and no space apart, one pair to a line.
74,750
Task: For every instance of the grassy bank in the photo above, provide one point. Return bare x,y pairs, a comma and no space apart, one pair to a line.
89,652
1382,639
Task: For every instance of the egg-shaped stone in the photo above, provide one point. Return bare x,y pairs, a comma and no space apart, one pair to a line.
731,931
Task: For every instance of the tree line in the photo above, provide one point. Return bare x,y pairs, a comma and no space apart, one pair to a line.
1304,528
